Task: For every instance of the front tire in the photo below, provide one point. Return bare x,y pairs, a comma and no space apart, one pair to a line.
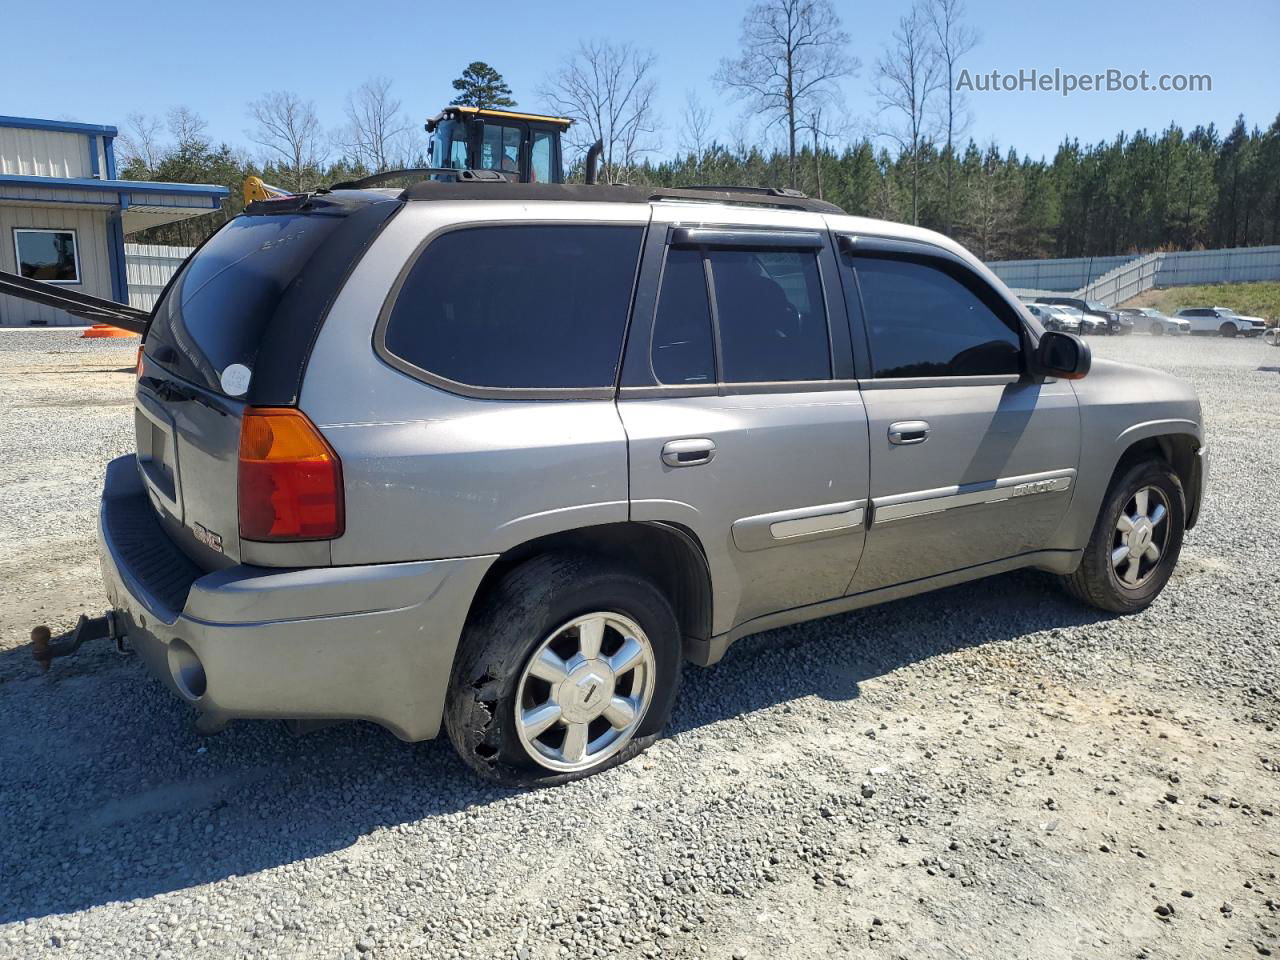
1228,330
1135,542
1157,329
569,666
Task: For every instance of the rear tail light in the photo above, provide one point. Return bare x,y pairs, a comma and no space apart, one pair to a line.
137,364
290,480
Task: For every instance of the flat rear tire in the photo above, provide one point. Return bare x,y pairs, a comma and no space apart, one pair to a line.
570,665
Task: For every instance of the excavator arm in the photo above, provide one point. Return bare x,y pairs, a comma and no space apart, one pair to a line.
92,309
254,189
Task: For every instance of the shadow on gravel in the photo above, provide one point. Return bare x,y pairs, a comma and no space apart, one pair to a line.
108,795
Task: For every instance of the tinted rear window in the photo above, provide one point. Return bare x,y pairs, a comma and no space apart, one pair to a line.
518,306
217,310
773,321
682,348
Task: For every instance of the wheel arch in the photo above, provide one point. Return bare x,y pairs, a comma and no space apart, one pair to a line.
1178,444
668,553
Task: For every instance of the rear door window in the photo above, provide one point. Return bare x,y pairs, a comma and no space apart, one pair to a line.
523,307
771,316
682,347
218,308
924,322
768,321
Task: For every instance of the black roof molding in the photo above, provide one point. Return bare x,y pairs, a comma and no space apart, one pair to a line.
339,203
604,193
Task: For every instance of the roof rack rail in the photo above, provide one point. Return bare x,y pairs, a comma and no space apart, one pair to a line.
789,192
783,198
425,173
489,189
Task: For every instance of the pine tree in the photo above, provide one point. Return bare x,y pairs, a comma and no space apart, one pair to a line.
482,86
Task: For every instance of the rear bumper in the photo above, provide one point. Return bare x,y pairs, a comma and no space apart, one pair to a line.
364,642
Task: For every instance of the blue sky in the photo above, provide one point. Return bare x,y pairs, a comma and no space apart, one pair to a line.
98,66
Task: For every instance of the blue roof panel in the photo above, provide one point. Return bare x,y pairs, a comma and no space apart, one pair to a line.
114,186
60,126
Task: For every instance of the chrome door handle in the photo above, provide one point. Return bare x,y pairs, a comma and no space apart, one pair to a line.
688,453
909,431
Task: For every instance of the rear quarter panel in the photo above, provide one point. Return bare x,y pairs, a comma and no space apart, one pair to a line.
430,474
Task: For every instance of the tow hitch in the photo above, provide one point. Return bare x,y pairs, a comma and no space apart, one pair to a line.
44,647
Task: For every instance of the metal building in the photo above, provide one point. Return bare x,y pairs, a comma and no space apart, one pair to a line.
64,215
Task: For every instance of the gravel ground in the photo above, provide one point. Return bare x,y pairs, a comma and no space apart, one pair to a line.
987,771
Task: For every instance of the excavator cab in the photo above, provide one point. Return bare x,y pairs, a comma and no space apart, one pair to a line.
524,147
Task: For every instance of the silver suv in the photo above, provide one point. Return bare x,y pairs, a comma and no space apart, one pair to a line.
500,457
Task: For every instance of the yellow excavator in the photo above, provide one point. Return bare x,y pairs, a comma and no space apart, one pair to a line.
254,189
473,143
523,146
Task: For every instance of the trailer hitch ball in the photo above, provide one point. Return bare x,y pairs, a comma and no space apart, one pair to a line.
40,638
44,647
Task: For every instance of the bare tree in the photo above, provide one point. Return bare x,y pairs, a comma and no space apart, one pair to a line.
609,89
907,77
186,127
696,130
290,132
822,126
953,39
793,52
376,130
140,141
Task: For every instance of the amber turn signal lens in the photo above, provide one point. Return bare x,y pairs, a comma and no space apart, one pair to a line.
290,480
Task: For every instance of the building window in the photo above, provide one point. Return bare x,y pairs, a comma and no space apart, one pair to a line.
48,255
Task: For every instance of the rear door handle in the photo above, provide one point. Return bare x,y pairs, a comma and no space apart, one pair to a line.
909,431
688,453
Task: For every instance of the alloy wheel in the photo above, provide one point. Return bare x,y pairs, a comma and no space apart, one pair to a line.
585,691
1141,534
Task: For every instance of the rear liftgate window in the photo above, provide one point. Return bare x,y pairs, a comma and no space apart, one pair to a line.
216,313
528,307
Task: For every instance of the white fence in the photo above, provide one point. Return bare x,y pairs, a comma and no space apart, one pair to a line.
1124,282
150,266
1056,275
1126,277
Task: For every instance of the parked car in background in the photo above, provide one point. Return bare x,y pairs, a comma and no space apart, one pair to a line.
1221,320
1152,321
1257,324
1057,318
1112,322
1087,322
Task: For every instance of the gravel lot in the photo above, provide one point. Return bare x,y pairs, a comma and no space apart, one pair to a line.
988,771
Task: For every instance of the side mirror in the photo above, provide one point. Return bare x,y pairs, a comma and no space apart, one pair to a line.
1062,355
